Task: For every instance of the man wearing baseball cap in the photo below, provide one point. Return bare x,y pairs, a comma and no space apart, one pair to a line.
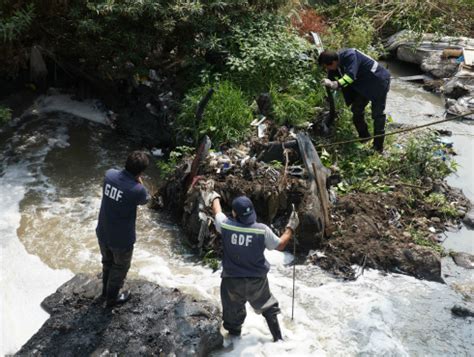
244,267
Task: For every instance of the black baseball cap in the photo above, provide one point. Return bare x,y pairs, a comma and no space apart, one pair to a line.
244,209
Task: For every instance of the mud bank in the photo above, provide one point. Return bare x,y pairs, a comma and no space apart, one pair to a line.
387,231
156,321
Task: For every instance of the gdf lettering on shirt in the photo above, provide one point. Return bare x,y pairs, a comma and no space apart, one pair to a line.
112,192
240,239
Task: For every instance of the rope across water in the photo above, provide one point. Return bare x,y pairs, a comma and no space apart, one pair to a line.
395,131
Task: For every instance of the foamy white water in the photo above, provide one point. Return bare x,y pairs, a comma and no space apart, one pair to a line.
62,103
25,280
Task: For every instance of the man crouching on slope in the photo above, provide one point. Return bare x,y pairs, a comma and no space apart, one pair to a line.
244,267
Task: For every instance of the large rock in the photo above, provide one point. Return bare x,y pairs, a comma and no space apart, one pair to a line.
468,219
411,47
156,321
420,262
464,260
438,66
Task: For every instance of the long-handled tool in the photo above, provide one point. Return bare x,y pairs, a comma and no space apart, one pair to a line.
294,272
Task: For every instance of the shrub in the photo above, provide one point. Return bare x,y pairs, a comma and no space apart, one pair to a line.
423,157
226,118
266,51
106,34
450,17
411,160
13,26
357,32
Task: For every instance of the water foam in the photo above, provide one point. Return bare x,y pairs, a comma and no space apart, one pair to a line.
25,279
88,109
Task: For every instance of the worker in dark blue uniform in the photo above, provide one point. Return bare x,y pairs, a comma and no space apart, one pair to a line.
123,191
244,267
362,80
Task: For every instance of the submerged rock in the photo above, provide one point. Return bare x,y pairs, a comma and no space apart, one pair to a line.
462,311
156,321
468,219
464,260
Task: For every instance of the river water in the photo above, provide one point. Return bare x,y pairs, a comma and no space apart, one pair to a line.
50,182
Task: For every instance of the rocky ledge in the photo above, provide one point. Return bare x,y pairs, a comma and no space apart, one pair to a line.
156,321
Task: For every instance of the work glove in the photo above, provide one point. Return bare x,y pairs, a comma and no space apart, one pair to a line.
330,84
293,222
208,194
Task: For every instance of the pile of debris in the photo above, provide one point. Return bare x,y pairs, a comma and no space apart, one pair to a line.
281,169
274,175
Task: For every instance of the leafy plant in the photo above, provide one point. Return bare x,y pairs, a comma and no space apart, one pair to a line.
266,51
277,165
416,157
227,116
168,166
419,239
295,106
16,24
439,201
5,115
357,32
211,259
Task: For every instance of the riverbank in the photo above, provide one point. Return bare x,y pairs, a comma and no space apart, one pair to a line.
57,211
53,162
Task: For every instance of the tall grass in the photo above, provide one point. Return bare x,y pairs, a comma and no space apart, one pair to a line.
226,118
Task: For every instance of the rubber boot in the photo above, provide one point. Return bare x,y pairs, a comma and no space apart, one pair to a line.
378,144
274,326
121,298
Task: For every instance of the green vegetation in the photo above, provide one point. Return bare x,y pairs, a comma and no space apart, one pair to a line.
167,166
265,52
226,119
106,35
438,200
420,239
14,25
357,32
448,17
5,115
295,106
211,259
363,170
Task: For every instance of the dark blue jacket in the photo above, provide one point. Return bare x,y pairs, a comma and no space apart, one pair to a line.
359,73
243,250
121,195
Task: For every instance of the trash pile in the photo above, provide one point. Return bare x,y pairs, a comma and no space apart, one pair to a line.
274,175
